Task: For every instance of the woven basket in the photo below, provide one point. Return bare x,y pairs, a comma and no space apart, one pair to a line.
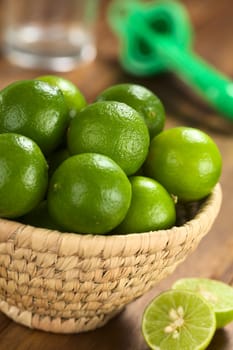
71,283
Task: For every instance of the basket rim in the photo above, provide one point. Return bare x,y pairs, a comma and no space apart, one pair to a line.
43,240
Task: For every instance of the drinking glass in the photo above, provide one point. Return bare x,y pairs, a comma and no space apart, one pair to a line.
53,34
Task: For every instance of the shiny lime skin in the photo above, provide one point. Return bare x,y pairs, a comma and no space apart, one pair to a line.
186,161
23,175
75,100
89,193
113,129
151,208
143,100
34,109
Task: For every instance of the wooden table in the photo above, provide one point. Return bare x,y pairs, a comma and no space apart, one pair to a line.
212,21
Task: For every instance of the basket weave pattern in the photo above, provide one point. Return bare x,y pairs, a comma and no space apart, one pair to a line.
69,283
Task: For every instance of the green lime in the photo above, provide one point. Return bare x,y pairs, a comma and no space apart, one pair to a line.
218,294
142,100
186,161
39,217
89,193
178,320
151,208
34,109
113,129
23,175
74,99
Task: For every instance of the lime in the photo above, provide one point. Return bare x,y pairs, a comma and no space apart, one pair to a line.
74,99
218,294
89,193
23,175
178,320
34,109
151,208
113,129
186,161
142,100
39,217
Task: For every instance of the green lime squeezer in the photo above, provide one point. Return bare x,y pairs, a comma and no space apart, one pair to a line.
157,36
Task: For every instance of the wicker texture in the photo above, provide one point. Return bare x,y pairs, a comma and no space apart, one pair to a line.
72,283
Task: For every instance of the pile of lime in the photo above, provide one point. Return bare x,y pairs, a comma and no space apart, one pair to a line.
187,316
104,167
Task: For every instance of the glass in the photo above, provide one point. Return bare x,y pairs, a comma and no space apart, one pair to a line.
52,34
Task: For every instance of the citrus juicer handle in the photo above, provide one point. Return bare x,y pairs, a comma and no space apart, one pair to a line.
213,86
131,20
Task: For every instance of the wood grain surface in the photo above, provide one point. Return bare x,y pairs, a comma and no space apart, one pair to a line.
213,27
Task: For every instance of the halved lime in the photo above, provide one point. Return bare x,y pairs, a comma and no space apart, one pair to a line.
178,320
218,294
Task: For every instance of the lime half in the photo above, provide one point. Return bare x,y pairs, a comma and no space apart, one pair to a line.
218,294
178,320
